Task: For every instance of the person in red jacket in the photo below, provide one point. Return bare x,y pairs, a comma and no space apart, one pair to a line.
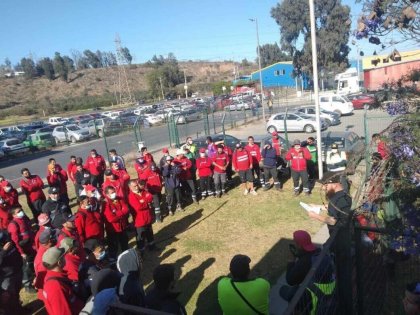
112,180
242,163
154,186
255,152
72,258
44,222
59,297
116,214
66,221
95,197
221,162
32,186
203,164
185,177
122,175
21,234
57,177
47,239
275,139
382,147
96,166
71,172
89,223
298,156
5,216
148,157
139,200
9,194
141,166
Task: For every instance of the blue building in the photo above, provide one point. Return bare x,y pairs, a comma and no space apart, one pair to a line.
279,75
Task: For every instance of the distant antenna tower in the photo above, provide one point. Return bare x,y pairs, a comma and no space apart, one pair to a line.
124,93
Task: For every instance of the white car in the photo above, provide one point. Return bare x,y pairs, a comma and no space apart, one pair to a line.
56,121
336,103
12,146
152,119
294,122
331,118
72,133
112,114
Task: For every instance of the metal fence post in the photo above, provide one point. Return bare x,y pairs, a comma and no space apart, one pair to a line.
359,270
231,120
169,131
206,123
223,125
285,127
175,126
105,142
214,123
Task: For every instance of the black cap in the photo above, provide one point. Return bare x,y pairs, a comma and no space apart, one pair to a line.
239,266
47,235
62,218
330,178
53,190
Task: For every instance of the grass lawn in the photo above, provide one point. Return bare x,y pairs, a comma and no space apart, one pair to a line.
202,240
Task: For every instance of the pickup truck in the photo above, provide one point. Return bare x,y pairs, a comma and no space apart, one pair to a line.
40,141
56,121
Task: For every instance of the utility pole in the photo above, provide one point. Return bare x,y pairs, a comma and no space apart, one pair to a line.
316,88
185,86
259,67
161,88
124,91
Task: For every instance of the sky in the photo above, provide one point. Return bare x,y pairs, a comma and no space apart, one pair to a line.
193,30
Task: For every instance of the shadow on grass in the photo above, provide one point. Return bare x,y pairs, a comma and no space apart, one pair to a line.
270,267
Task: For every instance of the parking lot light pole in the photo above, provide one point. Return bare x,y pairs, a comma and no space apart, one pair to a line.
316,88
259,67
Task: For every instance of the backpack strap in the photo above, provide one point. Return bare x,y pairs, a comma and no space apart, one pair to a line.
244,299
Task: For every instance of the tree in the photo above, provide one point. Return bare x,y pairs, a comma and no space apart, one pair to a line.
111,59
28,66
100,56
217,87
46,65
8,64
79,60
332,30
60,67
92,59
384,17
69,63
245,63
271,53
126,55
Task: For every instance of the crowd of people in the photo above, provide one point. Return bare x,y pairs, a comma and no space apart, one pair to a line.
65,255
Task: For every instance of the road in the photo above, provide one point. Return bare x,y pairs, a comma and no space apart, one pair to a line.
157,137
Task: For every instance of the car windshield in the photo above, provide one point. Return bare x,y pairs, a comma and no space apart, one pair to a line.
73,128
327,142
45,137
13,142
345,98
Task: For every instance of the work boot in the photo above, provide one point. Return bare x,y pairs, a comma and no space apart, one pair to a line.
158,218
253,192
195,200
296,193
171,213
179,207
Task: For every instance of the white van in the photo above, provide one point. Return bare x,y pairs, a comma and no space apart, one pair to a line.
336,103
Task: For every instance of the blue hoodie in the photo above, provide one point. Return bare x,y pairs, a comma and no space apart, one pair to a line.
269,156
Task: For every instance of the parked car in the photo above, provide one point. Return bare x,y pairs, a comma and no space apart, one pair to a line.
347,141
261,140
55,121
40,141
294,122
80,118
96,126
13,147
112,114
46,129
336,103
152,119
331,118
72,133
187,116
229,140
6,134
363,101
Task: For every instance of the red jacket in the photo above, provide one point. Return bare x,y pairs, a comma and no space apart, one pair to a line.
383,150
118,186
40,271
203,165
228,151
221,159
241,160
95,165
153,181
59,298
277,146
11,197
71,171
20,231
148,158
72,266
116,215
58,179
89,224
5,216
185,165
122,176
74,235
255,152
298,158
141,211
32,187
141,170
37,235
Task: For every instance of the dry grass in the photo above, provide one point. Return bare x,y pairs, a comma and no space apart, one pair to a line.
202,240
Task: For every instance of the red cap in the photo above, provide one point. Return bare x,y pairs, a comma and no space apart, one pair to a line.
165,150
202,150
90,188
5,183
303,239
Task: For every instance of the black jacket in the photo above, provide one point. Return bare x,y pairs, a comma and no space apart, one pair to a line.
297,270
83,175
165,301
52,208
10,263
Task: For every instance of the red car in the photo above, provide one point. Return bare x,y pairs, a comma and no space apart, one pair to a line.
362,101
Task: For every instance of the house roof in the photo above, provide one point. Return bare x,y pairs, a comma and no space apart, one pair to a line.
274,64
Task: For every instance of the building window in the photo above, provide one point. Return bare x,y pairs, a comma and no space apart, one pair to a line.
283,72
276,73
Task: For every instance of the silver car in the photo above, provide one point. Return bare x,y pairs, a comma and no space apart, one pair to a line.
13,146
294,122
71,133
331,118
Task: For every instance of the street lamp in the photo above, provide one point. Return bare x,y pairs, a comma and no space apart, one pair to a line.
316,87
259,67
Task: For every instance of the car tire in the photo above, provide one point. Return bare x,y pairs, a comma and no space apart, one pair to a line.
309,128
328,122
338,112
73,139
56,141
271,129
100,133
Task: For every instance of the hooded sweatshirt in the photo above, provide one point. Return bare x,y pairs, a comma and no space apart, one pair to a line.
131,287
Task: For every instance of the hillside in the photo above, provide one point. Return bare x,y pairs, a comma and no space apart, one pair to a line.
97,82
